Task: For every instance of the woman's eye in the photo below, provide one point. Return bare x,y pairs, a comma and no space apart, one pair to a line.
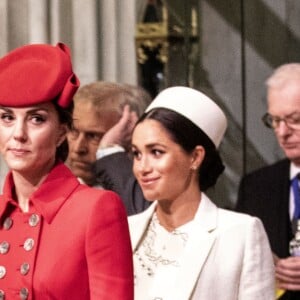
157,152
37,119
135,153
7,117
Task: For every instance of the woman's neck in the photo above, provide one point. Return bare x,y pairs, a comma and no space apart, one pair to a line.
25,186
174,213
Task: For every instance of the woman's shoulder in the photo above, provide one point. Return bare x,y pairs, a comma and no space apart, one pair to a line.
144,215
229,219
138,222
95,206
92,198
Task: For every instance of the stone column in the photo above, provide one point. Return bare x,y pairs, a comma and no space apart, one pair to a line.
108,36
38,21
85,40
126,42
3,28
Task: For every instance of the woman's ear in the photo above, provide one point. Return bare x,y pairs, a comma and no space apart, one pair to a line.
62,133
197,157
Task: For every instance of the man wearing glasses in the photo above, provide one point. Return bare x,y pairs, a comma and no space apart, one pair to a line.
268,193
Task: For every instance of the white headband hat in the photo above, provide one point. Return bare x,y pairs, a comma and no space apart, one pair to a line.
196,107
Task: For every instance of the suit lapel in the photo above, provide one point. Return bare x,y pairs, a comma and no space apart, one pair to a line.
197,249
138,225
280,208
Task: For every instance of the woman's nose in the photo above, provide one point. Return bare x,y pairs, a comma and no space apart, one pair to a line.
20,131
144,165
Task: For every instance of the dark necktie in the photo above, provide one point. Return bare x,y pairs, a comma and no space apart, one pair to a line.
296,193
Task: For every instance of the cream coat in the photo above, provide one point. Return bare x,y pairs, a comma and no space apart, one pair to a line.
227,257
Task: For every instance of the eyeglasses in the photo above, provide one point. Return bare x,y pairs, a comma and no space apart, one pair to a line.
292,121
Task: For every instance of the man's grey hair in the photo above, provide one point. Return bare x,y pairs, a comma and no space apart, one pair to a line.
284,74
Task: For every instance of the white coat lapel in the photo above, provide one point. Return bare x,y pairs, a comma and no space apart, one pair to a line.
138,225
198,247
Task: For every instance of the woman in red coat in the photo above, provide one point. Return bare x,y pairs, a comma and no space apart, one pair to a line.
58,239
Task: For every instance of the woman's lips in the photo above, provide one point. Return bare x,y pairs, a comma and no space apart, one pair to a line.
18,152
148,181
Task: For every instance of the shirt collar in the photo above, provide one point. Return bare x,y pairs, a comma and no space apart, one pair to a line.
294,170
50,196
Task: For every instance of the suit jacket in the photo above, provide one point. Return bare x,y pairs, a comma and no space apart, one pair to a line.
72,244
114,172
264,193
227,257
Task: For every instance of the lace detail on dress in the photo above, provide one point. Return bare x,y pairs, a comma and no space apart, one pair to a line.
160,247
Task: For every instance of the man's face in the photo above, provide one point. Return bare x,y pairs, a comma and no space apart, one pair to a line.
89,127
285,102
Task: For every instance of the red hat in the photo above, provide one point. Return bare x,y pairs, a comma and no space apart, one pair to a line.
37,73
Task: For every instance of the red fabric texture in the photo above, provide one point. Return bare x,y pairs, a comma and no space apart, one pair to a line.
81,244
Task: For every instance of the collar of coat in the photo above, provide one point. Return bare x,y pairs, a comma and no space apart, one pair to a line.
49,197
205,219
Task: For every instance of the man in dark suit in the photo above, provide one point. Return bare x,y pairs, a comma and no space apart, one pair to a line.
114,172
267,193
104,116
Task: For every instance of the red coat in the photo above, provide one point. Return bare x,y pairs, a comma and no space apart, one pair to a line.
73,244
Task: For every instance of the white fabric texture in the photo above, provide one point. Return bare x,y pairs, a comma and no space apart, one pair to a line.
227,256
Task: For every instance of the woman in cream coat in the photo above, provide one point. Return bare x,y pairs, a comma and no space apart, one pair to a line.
184,247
